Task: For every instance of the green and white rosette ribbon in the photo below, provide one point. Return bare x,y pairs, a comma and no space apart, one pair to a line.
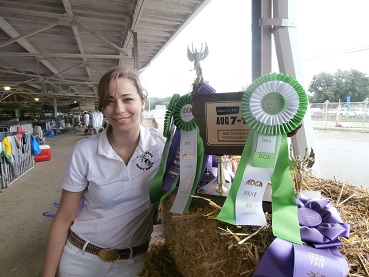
168,132
191,154
273,105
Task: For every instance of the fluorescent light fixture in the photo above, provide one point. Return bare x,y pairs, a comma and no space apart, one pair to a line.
36,99
7,88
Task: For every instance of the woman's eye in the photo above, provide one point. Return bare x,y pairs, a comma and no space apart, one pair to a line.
111,101
128,99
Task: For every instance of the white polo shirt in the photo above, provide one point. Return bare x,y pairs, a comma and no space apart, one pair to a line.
118,213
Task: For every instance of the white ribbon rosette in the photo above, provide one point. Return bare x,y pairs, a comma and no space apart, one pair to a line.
273,105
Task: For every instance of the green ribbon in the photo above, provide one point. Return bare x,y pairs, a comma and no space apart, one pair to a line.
274,104
169,114
262,83
285,223
189,124
155,188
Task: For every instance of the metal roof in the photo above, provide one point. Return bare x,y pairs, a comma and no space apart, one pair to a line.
59,49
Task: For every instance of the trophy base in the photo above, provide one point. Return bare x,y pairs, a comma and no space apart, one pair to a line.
213,189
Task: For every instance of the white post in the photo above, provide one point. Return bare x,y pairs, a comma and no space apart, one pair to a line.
326,112
285,37
366,101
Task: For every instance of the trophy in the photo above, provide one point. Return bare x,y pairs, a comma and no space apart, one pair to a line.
298,165
200,87
197,56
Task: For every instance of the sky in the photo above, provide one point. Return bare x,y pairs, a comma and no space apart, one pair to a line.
331,35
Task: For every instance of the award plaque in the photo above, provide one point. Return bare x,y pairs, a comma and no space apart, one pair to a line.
219,118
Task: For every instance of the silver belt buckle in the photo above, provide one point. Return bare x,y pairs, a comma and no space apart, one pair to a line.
108,255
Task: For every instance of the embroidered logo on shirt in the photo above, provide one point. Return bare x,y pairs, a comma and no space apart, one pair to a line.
145,161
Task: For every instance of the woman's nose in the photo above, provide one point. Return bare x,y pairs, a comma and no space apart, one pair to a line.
120,107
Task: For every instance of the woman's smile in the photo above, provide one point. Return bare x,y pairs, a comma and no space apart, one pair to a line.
121,120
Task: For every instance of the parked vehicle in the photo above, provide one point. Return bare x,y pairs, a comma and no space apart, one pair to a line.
316,112
334,113
357,113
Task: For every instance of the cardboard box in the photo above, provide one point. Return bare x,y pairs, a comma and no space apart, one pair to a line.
45,154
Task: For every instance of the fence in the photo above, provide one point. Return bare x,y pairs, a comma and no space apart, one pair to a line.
353,115
16,163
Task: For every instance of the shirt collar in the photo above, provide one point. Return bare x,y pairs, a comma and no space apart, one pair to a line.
147,140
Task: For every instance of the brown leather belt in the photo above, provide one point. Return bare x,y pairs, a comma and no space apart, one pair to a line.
107,254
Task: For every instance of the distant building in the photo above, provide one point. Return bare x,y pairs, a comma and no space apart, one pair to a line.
158,114
160,108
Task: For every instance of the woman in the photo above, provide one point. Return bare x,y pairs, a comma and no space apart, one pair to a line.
111,171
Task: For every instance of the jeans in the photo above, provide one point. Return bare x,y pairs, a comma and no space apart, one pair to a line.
75,262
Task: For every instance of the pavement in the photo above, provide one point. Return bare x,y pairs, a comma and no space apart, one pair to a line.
23,228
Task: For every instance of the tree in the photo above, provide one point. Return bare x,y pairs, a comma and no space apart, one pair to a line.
339,85
154,101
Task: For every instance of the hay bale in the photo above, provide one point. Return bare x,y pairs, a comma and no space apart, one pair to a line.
199,245
159,262
203,246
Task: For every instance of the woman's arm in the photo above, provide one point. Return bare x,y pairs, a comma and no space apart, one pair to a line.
65,215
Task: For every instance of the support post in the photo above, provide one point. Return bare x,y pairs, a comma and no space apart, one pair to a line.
55,108
135,50
285,37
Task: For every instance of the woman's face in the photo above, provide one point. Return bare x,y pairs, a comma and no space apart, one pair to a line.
124,107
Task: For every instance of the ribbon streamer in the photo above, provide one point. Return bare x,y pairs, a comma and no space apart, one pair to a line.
191,154
172,170
188,159
155,188
273,105
286,259
249,210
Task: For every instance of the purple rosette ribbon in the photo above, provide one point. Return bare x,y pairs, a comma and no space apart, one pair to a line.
286,259
320,223
320,226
